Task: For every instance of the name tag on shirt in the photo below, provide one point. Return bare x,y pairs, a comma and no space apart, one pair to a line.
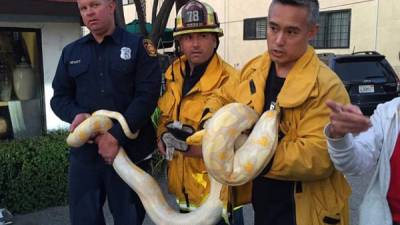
74,62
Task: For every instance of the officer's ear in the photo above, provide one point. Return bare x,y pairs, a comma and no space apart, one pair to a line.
112,4
177,48
216,42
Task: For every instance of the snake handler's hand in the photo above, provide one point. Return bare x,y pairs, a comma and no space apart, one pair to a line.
108,147
79,118
161,147
194,151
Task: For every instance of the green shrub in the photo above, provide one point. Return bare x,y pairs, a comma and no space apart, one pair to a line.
34,172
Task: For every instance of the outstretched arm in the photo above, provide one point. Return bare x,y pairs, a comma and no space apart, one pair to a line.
353,154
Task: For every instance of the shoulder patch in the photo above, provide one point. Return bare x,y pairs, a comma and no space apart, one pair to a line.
149,46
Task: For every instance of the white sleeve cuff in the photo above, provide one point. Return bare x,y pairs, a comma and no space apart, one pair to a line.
338,144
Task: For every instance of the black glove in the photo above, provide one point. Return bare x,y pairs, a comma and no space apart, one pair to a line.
179,130
176,134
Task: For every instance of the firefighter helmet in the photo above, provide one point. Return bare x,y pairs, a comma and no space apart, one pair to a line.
196,17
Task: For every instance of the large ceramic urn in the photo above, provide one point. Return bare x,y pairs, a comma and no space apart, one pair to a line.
24,81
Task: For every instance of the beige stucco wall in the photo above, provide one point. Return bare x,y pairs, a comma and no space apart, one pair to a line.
388,38
231,14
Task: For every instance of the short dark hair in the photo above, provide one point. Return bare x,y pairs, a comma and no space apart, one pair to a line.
311,5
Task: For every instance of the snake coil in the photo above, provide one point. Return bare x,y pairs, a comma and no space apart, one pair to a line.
225,164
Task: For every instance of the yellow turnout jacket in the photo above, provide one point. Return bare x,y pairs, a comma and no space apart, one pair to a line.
188,174
302,153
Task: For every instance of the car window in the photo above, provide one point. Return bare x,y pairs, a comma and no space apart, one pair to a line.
359,71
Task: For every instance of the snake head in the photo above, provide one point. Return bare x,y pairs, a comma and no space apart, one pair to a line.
196,138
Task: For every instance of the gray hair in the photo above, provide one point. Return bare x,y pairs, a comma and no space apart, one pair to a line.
311,5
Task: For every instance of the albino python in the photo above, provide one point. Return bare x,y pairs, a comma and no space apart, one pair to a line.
223,162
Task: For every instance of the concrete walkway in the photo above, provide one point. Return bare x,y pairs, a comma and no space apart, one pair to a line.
59,215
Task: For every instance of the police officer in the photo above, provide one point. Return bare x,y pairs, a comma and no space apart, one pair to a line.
189,81
114,70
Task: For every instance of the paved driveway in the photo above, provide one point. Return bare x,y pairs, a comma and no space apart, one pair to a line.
59,215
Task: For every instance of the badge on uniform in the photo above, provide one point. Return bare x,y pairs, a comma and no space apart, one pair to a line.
125,53
150,49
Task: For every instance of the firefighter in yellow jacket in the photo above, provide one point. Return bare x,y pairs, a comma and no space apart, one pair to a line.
189,81
300,186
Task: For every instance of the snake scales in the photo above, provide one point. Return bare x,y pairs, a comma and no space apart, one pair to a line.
225,164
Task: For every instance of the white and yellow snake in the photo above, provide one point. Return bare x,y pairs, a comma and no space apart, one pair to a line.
225,164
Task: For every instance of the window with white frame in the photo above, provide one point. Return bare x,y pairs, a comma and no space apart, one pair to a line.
334,30
255,28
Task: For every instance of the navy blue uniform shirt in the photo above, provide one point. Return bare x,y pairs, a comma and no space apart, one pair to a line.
119,75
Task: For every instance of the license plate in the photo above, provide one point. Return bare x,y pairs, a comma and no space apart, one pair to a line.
366,89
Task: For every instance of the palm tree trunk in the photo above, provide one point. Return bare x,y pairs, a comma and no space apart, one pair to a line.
119,14
141,17
154,11
161,20
180,3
